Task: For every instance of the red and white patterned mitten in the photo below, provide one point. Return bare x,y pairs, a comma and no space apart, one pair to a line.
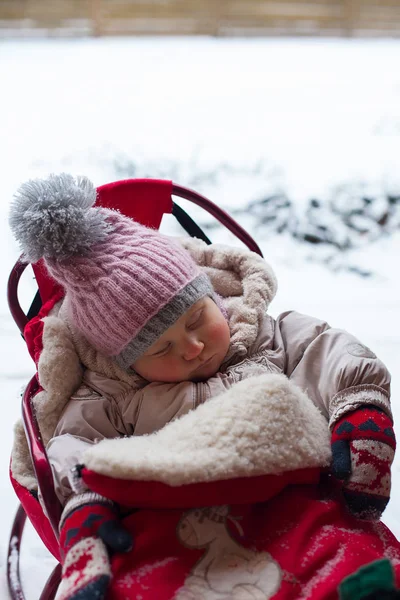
363,445
89,528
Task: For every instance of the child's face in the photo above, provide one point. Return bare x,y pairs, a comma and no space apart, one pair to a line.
192,349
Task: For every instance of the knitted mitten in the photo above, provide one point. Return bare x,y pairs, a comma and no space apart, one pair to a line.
363,445
89,527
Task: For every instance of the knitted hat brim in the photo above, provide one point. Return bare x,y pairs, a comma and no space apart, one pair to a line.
196,289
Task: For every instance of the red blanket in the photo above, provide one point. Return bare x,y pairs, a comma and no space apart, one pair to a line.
300,543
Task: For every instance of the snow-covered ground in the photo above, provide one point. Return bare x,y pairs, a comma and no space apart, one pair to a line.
235,119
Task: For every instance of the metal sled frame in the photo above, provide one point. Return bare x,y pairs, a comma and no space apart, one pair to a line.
35,443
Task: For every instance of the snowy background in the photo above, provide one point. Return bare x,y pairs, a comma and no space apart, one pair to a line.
299,139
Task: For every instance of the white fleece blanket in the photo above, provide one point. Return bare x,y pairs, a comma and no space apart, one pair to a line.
263,425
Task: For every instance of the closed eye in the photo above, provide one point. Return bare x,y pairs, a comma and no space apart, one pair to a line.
195,319
163,351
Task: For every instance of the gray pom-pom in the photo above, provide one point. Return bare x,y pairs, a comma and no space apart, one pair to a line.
53,218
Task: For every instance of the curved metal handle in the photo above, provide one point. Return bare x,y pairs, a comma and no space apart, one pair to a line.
14,546
219,214
39,457
52,584
13,563
16,311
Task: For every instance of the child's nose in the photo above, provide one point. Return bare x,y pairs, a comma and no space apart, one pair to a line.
192,348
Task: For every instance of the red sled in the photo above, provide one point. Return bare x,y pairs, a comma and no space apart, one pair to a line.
283,536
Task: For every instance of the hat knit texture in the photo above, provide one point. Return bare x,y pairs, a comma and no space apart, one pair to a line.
125,283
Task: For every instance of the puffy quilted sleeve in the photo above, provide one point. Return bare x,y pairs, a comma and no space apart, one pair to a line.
87,418
333,367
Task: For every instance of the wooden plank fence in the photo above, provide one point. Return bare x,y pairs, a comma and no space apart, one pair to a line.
200,17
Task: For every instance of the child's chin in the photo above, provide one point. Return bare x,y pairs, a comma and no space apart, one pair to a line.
204,376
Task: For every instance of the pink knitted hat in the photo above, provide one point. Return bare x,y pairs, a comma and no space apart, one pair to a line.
125,284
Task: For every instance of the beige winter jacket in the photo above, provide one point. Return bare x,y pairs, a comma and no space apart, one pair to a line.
332,367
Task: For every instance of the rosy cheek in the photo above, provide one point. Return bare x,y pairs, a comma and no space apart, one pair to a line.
169,370
219,335
163,367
